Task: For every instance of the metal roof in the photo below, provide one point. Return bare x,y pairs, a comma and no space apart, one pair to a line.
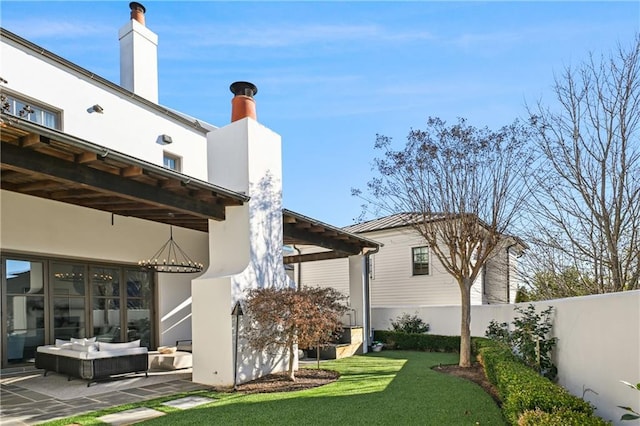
388,222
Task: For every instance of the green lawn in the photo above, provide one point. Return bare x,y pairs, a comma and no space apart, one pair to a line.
386,388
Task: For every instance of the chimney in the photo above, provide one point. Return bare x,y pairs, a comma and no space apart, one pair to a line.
243,105
139,55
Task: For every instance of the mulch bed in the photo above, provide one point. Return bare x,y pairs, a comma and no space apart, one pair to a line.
306,378
475,373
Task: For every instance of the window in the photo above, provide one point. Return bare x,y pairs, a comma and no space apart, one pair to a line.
29,110
420,260
171,161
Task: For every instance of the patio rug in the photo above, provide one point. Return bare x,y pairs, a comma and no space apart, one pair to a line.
57,386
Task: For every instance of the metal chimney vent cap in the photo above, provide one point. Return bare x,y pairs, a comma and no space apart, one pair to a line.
243,88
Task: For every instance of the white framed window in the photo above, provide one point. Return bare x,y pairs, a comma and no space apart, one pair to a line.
420,260
31,110
171,161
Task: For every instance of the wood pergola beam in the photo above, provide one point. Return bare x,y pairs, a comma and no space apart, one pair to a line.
41,164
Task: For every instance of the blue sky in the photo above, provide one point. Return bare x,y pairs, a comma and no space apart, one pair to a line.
332,75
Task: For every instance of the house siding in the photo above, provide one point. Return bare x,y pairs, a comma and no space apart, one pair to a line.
391,279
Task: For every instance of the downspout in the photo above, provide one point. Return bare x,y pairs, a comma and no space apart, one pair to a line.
299,267
366,315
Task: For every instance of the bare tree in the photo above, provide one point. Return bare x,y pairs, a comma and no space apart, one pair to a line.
461,188
587,206
283,318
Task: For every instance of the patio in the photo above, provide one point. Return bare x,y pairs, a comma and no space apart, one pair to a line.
29,398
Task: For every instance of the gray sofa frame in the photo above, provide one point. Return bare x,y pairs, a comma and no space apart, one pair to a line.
92,370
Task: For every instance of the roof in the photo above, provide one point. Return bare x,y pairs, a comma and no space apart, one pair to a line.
399,220
387,222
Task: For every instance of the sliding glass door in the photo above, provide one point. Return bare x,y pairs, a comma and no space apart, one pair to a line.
44,300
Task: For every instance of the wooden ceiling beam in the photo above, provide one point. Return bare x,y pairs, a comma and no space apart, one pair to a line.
86,157
37,186
312,257
30,140
131,171
45,165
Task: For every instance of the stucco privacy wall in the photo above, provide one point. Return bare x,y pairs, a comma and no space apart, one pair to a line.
598,342
127,125
37,226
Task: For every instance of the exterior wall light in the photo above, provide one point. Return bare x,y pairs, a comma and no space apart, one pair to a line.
164,139
96,108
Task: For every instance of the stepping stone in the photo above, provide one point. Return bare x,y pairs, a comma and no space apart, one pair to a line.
188,402
130,416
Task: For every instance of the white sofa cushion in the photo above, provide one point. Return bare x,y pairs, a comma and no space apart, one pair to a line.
106,346
83,341
84,348
63,343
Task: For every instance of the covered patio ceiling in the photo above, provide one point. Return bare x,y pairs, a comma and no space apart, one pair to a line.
46,163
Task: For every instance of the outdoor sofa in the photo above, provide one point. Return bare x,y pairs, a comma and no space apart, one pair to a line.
92,361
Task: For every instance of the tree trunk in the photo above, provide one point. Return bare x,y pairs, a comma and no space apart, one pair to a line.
292,376
465,323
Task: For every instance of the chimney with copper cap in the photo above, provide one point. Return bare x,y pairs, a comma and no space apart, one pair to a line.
243,105
139,55
137,11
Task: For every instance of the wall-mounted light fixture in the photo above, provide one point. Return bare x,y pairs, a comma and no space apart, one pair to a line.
96,108
164,139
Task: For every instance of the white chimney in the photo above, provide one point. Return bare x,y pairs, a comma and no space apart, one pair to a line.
139,55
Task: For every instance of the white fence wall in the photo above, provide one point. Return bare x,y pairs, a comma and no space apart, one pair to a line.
598,342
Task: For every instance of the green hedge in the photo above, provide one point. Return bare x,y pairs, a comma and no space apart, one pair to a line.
420,342
522,390
559,418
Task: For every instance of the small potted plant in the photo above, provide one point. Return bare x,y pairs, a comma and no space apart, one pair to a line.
376,346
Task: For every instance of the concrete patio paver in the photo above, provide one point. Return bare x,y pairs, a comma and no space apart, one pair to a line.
188,402
20,406
130,416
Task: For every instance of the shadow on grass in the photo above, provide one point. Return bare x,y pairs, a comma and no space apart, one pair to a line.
386,388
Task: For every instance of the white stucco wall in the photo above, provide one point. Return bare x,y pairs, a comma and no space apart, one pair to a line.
126,125
598,342
36,226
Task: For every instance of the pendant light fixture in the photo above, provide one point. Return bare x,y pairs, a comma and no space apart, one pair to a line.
171,259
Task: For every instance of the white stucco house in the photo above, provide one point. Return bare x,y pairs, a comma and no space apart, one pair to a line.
97,176
405,274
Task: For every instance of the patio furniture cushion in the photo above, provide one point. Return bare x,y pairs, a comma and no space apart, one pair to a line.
172,361
67,352
167,349
106,346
